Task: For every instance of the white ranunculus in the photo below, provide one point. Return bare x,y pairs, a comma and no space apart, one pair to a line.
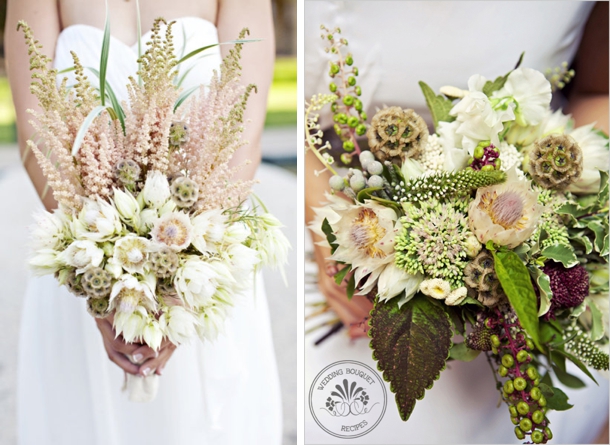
208,230
82,254
50,230
477,119
595,157
532,93
126,204
45,262
196,282
393,281
179,323
156,189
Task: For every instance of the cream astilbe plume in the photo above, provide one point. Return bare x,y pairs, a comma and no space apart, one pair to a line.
216,118
149,118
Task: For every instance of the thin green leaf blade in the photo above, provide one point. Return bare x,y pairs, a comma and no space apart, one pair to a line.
80,136
461,352
330,236
517,285
411,345
203,48
555,398
104,56
340,276
184,96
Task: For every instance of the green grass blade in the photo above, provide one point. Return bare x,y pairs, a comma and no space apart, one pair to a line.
184,96
104,56
78,141
116,106
66,70
203,48
139,29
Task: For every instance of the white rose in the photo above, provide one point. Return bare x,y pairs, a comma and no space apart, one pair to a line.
156,189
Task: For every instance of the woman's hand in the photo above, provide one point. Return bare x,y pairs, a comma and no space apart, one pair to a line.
146,359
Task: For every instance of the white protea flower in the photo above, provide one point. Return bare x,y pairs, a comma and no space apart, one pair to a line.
128,293
100,221
532,93
505,213
394,280
45,262
179,324
82,254
126,204
196,282
173,230
477,119
211,322
156,191
270,242
147,220
595,157
131,324
436,288
238,232
208,230
131,252
50,230
242,259
152,333
114,267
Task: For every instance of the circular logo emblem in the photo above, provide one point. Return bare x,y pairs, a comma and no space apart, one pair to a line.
347,399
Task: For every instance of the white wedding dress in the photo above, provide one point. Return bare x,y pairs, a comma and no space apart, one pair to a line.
225,392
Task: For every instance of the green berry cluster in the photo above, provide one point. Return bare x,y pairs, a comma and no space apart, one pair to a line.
521,391
560,76
348,111
445,185
581,345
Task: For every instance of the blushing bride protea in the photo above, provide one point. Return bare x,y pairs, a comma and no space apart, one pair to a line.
505,213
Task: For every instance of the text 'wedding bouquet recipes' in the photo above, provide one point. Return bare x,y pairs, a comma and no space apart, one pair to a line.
495,229
150,226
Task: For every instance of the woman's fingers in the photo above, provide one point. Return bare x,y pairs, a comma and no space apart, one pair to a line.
120,360
157,364
143,353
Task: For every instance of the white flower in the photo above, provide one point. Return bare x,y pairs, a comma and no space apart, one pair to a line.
532,93
131,252
152,334
126,204
551,123
156,189
595,157
477,119
100,221
147,220
393,281
243,259
411,169
211,322
208,230
128,293
179,323
45,262
49,231
511,157
271,242
114,267
456,296
174,230
82,254
196,282
237,232
131,324
454,156
435,288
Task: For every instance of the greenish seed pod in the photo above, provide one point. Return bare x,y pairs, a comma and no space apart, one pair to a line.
514,420
493,348
358,105
478,152
509,387
470,160
334,68
337,129
537,381
542,401
495,340
548,432
537,437
363,115
353,121
538,416
349,60
523,408
520,383
532,373
341,118
508,361
336,183
355,71
525,424
487,168
348,146
488,323
345,158
522,356
498,164
334,107
535,393
519,433
361,130
513,411
375,168
348,100
351,81
332,87
502,371
529,343
358,91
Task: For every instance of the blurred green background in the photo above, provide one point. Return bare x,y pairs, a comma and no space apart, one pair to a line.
281,110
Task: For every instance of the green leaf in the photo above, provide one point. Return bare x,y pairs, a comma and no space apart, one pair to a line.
351,287
411,346
366,193
571,381
184,96
470,300
561,254
602,196
116,106
330,236
548,333
499,82
340,276
104,56
439,106
517,285
578,363
555,398
581,238
600,232
544,287
455,314
461,352
78,140
203,48
597,327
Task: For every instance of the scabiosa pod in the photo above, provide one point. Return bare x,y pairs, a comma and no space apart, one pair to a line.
556,162
480,276
184,191
96,282
178,133
127,172
164,262
98,307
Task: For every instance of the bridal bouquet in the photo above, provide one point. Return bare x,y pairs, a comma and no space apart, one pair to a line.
150,225
489,236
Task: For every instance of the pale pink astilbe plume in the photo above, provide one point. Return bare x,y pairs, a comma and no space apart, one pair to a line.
151,113
215,124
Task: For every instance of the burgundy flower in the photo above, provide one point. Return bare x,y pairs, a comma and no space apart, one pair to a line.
569,286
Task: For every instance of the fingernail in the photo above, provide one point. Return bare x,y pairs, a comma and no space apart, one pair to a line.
156,354
137,358
146,372
160,370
